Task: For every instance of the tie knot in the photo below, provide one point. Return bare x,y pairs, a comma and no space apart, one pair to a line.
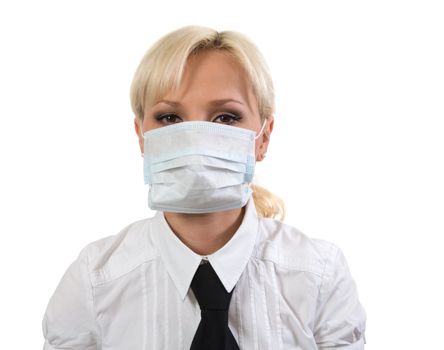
209,290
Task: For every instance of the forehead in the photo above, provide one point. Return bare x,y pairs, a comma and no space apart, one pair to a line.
212,75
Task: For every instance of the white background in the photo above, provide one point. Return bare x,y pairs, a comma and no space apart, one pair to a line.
356,152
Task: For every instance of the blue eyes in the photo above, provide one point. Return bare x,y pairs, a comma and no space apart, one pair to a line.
171,118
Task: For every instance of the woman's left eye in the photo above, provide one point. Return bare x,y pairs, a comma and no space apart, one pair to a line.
229,118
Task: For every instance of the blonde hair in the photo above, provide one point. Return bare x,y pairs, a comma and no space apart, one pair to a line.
162,67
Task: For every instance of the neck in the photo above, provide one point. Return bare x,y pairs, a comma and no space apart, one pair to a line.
205,233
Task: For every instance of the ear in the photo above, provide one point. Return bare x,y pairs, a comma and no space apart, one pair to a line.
265,138
138,129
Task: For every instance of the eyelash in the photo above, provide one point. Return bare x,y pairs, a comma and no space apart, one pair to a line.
234,117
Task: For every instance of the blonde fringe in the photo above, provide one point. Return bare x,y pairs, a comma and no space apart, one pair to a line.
268,205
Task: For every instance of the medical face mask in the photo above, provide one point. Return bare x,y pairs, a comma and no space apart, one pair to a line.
199,166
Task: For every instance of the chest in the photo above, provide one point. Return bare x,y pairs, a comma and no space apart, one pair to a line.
271,308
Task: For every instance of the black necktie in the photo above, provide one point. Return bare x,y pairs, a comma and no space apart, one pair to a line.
213,332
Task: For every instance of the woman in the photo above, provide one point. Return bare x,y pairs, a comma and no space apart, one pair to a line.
214,268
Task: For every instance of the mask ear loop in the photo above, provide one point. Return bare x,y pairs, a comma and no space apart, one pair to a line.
262,129
141,134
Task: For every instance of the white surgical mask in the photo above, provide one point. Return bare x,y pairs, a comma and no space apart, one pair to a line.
199,166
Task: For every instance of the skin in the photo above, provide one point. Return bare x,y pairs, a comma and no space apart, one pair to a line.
209,76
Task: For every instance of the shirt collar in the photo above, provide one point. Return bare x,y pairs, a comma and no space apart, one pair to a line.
228,262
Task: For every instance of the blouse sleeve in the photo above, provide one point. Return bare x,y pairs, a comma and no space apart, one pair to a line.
69,321
340,318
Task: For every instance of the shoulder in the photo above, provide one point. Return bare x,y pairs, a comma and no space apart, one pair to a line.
287,246
113,256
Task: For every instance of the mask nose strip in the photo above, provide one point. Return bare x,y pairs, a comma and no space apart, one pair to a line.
258,135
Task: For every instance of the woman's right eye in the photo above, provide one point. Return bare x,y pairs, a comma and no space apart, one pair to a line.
166,118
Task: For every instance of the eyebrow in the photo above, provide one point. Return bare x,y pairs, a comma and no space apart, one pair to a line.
212,103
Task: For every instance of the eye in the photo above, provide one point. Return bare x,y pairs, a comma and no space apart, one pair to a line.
229,118
166,118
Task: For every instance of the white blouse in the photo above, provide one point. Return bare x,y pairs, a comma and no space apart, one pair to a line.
132,291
